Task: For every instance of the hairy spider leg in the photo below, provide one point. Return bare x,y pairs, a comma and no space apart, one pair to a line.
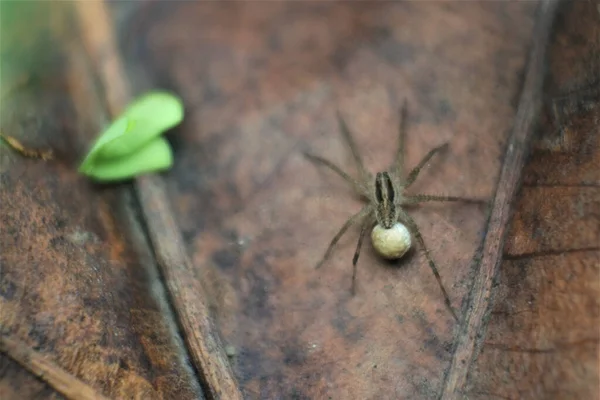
366,210
421,198
412,176
412,226
365,175
356,185
368,221
398,166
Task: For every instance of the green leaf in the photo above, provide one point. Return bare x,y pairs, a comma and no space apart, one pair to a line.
114,131
154,156
148,117
137,129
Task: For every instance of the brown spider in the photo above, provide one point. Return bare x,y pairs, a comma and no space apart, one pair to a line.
386,199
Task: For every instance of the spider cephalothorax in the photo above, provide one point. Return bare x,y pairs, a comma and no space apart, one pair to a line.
392,226
386,196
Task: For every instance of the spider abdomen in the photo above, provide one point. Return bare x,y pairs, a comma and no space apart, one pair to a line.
391,243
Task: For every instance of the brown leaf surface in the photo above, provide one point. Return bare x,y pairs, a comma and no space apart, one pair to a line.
262,81
78,282
543,339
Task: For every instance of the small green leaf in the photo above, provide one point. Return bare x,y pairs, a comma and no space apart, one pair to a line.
147,118
120,150
116,129
154,156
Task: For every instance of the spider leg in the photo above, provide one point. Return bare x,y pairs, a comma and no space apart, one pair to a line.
412,226
356,185
421,198
365,175
366,210
412,176
363,230
398,167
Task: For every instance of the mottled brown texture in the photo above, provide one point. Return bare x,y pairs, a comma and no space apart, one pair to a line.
78,282
39,365
543,336
187,295
18,383
262,82
468,339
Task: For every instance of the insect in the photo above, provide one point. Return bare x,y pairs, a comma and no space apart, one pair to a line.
386,202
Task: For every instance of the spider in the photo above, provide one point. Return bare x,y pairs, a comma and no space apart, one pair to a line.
392,225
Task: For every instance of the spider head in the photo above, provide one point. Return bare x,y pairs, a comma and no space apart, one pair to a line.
385,195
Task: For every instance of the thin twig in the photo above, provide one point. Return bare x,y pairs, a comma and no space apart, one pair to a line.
59,379
26,151
15,144
189,299
509,181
